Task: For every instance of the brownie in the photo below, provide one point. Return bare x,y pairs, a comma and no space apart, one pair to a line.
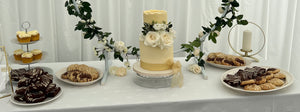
34,94
21,91
50,88
19,97
24,82
54,92
36,100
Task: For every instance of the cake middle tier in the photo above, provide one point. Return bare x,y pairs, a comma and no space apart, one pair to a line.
156,59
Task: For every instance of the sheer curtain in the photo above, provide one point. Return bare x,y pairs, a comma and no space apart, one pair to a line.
124,18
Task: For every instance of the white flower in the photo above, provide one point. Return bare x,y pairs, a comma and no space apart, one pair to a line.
95,51
221,10
112,70
230,0
196,52
158,27
125,50
166,40
91,20
127,64
119,46
121,71
201,34
196,69
82,21
217,32
107,49
152,39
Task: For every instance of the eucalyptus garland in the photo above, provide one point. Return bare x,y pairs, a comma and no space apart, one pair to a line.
88,26
213,30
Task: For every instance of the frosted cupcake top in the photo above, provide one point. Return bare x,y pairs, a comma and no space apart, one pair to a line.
20,32
36,51
24,35
18,52
33,32
27,55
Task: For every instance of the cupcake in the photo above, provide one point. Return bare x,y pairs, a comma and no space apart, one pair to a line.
18,33
27,57
24,38
37,54
17,54
35,35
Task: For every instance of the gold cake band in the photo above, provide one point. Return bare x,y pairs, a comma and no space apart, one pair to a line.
157,67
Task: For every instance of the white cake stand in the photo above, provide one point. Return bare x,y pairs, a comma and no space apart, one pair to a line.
152,79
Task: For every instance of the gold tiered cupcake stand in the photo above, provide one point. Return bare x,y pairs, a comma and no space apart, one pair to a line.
26,25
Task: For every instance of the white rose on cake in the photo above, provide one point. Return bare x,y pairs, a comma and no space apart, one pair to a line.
196,69
158,27
119,46
166,40
152,39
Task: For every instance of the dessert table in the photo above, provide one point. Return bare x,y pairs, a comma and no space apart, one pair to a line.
196,95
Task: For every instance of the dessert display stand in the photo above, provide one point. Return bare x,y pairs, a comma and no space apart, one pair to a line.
26,25
152,79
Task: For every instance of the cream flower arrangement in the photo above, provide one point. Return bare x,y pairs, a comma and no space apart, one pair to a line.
157,35
195,68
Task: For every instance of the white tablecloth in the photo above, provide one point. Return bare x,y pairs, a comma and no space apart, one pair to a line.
196,95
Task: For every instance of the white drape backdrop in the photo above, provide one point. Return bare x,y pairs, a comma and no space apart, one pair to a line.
124,18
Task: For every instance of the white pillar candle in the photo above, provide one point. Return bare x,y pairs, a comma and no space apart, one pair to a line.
247,37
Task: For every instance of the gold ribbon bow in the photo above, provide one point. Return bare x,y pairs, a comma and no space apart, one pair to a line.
177,80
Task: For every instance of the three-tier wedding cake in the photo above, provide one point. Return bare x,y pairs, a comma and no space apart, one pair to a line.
156,42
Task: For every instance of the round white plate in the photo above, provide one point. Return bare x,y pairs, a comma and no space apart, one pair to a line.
247,63
47,100
288,80
63,70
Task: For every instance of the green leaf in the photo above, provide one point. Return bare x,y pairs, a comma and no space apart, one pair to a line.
87,35
206,29
189,57
201,63
224,0
244,22
66,3
85,4
239,17
235,3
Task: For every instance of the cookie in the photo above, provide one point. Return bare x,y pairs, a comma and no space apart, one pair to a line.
267,86
228,60
247,82
276,81
219,58
211,57
279,75
238,61
270,76
252,87
273,70
260,80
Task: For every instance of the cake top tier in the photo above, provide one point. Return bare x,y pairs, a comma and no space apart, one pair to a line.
158,16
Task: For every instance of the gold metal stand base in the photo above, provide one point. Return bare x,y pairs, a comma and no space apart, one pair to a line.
247,55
